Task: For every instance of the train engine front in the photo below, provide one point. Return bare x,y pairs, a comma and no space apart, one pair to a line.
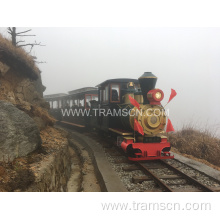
147,121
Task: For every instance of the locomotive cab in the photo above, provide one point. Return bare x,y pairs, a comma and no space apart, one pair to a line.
113,95
117,90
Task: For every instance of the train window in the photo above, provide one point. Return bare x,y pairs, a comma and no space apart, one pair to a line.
103,95
106,94
81,103
75,103
137,86
71,103
115,93
88,99
55,104
95,98
60,104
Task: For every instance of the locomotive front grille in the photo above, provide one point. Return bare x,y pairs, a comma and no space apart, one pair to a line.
152,139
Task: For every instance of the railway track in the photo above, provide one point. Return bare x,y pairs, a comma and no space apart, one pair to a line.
160,175
166,177
191,184
154,176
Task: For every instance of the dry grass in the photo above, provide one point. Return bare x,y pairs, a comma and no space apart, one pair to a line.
18,58
15,175
199,144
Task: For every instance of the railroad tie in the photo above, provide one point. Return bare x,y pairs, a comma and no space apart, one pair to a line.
140,179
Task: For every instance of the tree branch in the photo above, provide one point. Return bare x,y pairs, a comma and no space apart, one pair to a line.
10,30
20,41
24,35
33,44
24,31
40,62
23,45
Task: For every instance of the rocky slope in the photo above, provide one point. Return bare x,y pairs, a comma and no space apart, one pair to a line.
24,118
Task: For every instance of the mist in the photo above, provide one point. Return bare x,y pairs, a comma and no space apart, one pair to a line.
184,59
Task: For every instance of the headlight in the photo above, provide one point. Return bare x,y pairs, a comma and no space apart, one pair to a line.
155,96
158,95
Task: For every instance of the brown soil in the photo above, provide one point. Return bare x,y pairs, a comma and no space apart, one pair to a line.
17,175
18,58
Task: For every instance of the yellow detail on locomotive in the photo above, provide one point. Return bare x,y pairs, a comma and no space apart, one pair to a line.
151,118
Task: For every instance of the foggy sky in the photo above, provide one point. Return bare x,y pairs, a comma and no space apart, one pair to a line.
185,59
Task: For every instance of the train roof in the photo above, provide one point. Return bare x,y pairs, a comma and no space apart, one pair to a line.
120,80
80,93
83,90
55,95
76,94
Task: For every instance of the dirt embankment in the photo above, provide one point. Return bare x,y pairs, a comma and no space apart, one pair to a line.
47,169
198,145
53,165
21,85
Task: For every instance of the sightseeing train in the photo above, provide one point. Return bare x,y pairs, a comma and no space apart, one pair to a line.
128,109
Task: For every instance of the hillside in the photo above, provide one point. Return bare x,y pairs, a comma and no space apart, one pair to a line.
201,145
27,136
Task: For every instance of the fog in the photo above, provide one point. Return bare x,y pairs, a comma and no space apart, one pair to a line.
185,59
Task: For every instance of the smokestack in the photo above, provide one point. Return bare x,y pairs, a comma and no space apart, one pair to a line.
147,82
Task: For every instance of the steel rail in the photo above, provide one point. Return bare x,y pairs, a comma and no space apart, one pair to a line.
154,177
205,174
191,179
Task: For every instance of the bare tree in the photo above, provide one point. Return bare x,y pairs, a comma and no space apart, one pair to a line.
14,35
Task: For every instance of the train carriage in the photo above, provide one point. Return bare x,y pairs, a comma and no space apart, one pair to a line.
72,108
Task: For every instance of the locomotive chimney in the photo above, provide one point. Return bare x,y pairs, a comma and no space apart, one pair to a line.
147,82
